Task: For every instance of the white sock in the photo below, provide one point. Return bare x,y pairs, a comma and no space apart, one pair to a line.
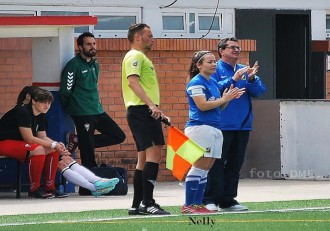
87,174
77,179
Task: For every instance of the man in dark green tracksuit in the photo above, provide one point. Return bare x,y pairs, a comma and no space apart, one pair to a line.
80,99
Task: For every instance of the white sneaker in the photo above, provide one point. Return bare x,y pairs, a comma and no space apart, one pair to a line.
212,207
234,208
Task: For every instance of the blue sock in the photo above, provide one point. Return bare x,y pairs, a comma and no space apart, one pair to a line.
201,190
192,183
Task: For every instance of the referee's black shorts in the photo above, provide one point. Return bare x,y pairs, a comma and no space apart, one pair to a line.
146,130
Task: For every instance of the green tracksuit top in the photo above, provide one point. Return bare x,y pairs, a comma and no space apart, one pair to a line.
79,87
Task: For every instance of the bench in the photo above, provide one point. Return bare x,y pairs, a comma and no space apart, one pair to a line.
18,184
60,181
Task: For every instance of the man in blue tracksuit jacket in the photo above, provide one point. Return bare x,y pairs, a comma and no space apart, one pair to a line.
236,124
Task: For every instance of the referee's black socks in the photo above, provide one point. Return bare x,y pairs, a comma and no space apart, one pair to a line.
149,177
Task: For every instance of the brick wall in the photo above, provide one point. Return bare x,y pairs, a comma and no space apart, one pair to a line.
328,85
171,58
15,70
324,47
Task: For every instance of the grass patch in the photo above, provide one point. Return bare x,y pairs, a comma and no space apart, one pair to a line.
119,220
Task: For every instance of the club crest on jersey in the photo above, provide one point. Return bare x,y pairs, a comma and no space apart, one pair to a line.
243,77
86,125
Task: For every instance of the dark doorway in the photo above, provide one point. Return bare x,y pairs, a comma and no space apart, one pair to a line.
292,56
259,25
318,72
284,52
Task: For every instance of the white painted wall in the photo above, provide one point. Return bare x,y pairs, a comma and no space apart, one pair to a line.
240,4
318,21
50,54
304,129
52,47
151,9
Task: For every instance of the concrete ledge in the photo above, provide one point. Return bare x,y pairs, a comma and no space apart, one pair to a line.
167,194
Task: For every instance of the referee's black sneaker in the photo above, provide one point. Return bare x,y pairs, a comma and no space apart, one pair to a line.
152,208
134,211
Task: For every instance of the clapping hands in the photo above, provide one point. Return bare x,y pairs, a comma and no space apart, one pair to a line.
252,70
233,93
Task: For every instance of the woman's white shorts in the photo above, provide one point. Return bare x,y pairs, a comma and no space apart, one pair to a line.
207,137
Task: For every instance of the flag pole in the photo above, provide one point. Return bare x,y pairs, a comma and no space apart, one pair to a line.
164,120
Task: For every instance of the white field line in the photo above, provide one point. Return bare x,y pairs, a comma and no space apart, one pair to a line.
323,209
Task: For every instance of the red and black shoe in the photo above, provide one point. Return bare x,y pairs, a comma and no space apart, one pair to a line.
41,194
